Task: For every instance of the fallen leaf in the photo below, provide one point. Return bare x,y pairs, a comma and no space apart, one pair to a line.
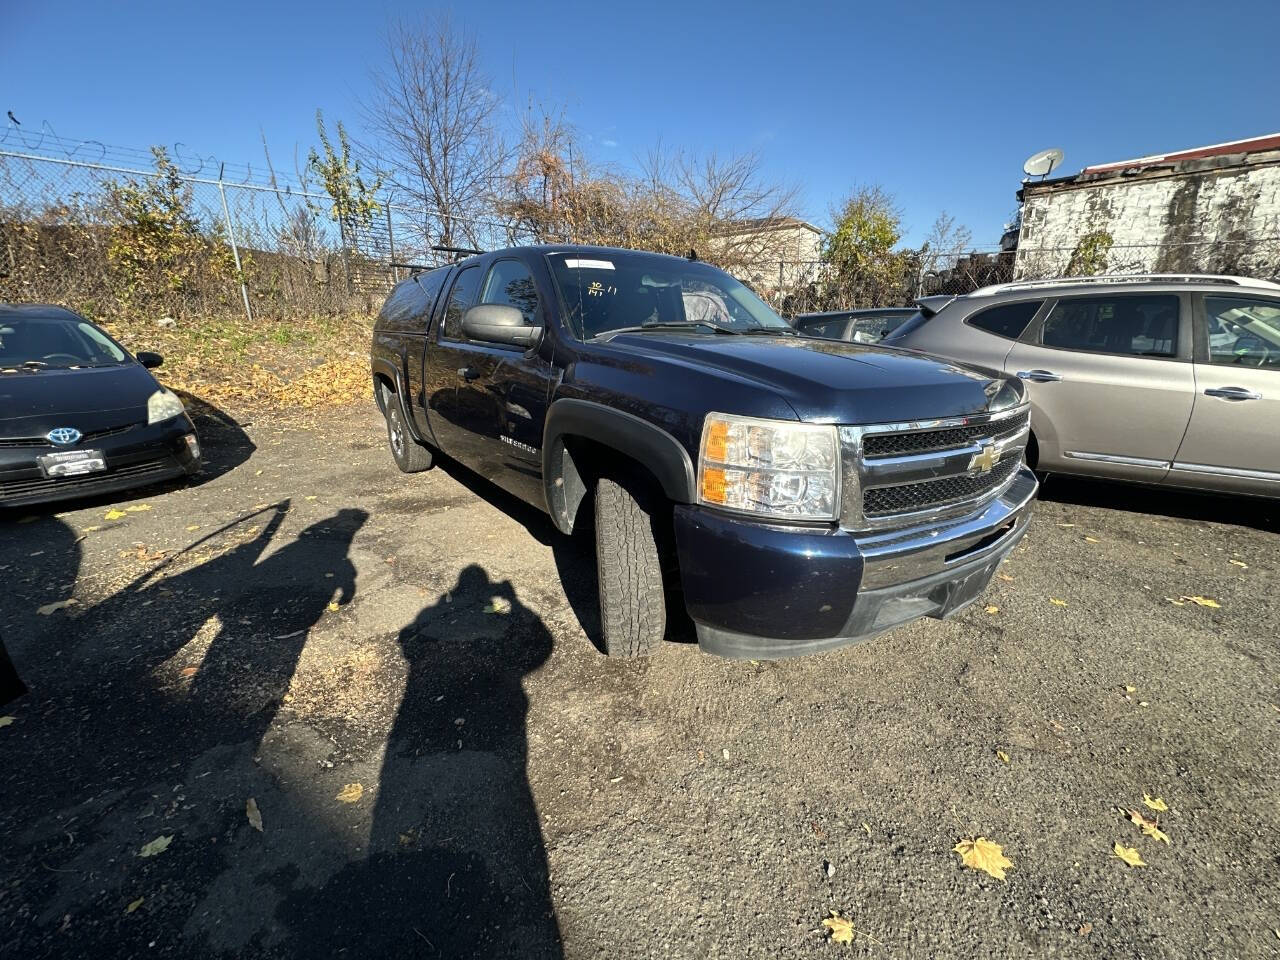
1149,827
1129,689
1066,524
867,827
992,608
333,606
982,854
1092,540
1203,602
499,605
839,929
1057,603
54,607
253,813
1239,563
158,845
114,514
351,793
5,721
193,528
1155,803
257,473
189,671
1129,855
1086,928
138,508
135,905
311,496
1005,577
1176,603
90,529
1004,757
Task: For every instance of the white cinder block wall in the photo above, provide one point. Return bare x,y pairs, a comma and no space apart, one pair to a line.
1203,216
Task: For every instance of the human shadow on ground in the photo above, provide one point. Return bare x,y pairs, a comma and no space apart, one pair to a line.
456,865
575,555
1255,512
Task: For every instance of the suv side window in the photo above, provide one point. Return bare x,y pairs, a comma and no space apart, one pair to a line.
1135,326
461,297
1243,331
431,284
510,283
1006,320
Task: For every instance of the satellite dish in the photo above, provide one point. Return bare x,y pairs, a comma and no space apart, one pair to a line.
1043,163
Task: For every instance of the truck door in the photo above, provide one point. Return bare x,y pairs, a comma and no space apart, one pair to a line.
1233,440
500,395
1110,383
456,407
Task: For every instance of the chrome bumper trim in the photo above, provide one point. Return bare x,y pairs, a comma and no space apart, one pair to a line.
908,554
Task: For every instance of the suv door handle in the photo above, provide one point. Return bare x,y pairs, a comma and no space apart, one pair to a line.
1233,393
467,374
1039,376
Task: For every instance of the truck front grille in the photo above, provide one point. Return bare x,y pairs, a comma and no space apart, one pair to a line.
900,473
909,497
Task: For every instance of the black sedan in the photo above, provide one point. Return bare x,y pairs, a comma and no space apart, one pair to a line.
79,415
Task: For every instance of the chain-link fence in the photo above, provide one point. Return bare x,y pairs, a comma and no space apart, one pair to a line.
266,244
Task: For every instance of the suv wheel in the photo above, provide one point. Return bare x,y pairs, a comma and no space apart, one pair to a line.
633,613
410,456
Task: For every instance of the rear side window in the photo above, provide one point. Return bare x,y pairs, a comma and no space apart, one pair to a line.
1007,320
1143,326
408,306
431,283
831,329
461,297
916,321
510,283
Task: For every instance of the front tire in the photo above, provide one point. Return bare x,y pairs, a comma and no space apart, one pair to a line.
633,613
409,455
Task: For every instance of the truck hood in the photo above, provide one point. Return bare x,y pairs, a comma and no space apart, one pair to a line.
829,381
32,404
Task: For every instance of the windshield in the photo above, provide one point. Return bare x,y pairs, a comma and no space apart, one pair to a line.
609,291
55,342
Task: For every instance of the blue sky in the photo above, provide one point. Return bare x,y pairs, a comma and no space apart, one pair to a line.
937,102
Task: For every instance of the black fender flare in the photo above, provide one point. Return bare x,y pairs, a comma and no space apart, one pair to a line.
384,368
661,453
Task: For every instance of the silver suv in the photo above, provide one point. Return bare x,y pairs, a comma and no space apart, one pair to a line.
1156,378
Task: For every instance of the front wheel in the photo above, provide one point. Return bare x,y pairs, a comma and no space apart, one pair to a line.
633,613
410,456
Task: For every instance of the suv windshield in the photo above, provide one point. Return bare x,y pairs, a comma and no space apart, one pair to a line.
609,291
54,342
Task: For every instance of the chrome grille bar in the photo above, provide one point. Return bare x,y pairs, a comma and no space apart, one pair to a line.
962,463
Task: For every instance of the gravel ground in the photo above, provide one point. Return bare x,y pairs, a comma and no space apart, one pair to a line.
397,672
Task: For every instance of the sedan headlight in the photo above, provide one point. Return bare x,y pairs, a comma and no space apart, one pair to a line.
163,405
769,468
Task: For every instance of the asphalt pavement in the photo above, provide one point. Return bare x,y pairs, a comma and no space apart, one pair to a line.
311,707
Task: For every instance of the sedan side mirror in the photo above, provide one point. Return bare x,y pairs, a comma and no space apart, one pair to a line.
499,323
148,359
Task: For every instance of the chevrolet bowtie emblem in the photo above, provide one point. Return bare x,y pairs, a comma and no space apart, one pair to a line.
984,461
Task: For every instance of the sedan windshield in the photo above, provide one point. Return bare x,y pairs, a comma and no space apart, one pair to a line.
611,291
54,342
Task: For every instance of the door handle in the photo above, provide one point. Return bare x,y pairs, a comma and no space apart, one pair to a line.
1233,393
467,374
1039,376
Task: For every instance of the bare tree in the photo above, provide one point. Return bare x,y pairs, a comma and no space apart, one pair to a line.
945,243
432,116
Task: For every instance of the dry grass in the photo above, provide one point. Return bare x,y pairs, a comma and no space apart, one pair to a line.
272,364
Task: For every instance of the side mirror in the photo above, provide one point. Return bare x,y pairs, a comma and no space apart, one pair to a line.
148,359
499,323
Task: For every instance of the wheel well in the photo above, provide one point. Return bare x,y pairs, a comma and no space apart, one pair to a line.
1033,451
381,383
584,461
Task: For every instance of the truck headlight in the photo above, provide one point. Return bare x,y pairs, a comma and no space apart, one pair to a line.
769,468
162,405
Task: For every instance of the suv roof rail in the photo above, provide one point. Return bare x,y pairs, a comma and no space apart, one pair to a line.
1123,278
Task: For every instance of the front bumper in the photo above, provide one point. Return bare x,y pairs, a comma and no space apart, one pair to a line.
764,592
139,456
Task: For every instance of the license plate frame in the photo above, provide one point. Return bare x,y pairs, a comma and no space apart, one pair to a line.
71,463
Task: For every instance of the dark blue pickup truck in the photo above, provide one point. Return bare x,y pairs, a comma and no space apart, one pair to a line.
798,493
